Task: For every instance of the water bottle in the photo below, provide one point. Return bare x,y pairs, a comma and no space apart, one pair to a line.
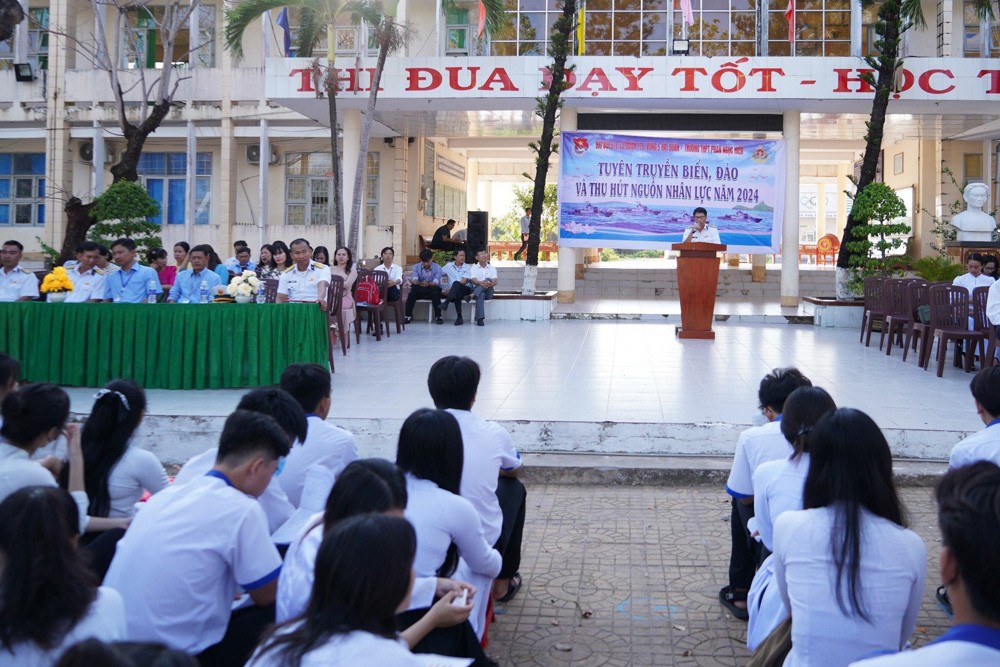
261,293
151,291
203,292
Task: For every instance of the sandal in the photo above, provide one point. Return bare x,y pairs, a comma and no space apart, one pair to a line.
728,597
513,588
942,599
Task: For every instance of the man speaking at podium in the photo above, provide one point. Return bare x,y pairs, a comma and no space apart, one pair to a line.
701,231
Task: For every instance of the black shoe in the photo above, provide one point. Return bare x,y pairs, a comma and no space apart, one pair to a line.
439,320
459,322
480,323
444,306
407,319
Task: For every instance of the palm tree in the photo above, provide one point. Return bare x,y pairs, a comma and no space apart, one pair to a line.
894,17
316,19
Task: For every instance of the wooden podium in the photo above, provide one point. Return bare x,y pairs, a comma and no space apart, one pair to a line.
697,280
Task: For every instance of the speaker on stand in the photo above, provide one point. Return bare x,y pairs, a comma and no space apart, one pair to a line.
479,231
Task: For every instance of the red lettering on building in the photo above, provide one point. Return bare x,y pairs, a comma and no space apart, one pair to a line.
844,79
737,80
453,82
994,75
688,73
499,77
599,78
305,79
766,81
547,78
924,81
634,75
422,78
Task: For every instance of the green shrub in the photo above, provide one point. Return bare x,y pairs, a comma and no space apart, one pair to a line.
937,269
122,211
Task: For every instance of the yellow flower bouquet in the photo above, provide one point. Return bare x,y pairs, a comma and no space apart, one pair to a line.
57,282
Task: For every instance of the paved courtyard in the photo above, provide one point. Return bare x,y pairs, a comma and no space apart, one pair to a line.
630,576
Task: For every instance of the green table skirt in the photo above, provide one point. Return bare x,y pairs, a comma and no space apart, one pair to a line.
162,346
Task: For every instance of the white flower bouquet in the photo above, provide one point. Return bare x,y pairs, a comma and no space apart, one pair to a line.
245,284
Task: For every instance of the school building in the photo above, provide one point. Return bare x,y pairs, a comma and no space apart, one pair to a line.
245,151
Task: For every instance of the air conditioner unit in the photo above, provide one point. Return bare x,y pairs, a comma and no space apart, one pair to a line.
87,153
253,154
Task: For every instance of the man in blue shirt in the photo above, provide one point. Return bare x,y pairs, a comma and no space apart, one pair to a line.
187,287
130,284
425,284
241,261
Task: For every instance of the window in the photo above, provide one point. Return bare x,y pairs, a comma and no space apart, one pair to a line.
347,37
721,27
371,188
822,28
981,38
972,168
165,178
141,40
38,42
22,188
308,189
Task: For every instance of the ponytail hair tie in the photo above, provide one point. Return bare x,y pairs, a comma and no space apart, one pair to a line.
121,397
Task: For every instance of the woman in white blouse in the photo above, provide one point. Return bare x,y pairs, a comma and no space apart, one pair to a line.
849,572
49,598
778,489
448,528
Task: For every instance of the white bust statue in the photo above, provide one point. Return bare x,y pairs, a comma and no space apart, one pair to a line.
972,223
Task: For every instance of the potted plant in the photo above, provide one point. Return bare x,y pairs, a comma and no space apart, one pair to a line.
243,287
57,285
872,243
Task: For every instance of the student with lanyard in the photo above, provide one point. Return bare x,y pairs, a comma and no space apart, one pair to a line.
192,547
133,281
968,501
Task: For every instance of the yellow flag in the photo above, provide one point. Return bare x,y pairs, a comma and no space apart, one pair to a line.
581,25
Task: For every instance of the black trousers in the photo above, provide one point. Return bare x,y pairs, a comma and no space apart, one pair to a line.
246,626
100,549
458,641
456,293
420,292
512,496
745,555
524,244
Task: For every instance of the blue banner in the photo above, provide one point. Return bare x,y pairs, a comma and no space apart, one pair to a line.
623,191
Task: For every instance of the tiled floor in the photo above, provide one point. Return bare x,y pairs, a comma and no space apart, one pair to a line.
596,371
630,576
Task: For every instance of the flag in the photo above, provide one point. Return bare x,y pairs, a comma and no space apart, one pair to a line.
688,12
283,24
482,19
581,28
790,16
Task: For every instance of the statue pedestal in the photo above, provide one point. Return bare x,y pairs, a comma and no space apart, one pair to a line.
959,251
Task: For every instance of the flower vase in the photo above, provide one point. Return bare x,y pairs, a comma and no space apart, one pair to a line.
243,298
57,297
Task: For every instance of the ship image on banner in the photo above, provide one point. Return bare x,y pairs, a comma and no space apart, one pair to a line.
624,191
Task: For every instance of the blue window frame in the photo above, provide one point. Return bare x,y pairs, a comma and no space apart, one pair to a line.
165,177
22,189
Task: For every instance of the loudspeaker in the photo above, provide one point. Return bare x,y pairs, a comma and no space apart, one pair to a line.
479,232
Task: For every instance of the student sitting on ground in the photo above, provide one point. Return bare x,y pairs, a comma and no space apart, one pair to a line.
363,578
968,501
325,445
777,489
34,415
284,409
193,546
49,598
10,373
756,445
448,526
847,570
93,652
983,445
366,485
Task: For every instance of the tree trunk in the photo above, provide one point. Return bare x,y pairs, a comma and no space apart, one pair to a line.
366,130
885,65
548,109
135,139
78,223
338,192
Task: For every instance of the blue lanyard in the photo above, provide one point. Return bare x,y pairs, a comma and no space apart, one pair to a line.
121,277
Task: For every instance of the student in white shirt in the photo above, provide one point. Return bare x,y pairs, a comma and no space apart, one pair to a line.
968,501
850,574
447,525
491,465
49,598
363,578
373,486
974,276
191,547
116,474
394,271
983,445
325,445
33,416
284,409
458,286
756,445
88,282
778,489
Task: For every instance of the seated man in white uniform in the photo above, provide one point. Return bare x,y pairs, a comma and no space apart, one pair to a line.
16,284
281,407
87,279
489,470
982,445
307,281
325,445
701,231
968,502
193,546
